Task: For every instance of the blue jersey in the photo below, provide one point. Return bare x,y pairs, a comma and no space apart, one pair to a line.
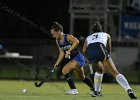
75,54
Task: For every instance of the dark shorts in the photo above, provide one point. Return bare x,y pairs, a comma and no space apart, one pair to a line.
97,52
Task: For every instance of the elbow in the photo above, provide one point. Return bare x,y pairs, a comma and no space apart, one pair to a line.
84,50
77,42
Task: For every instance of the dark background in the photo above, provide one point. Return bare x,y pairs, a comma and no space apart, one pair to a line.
42,13
18,35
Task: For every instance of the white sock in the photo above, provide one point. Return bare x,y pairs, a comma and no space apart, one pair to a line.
122,81
97,81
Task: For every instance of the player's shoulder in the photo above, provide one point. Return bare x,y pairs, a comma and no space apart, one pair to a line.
69,35
90,35
108,35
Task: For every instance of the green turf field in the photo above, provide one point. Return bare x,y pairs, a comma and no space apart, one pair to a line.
12,90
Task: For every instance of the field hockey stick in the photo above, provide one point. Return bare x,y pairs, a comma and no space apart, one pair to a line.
91,69
44,79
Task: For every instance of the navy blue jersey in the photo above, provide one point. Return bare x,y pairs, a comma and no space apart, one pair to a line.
66,45
75,54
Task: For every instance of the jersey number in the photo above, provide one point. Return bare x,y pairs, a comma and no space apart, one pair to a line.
95,36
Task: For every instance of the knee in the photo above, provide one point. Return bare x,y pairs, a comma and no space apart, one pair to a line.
115,74
100,70
82,77
65,71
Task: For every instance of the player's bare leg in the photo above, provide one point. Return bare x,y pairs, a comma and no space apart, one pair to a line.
80,72
109,65
98,76
66,72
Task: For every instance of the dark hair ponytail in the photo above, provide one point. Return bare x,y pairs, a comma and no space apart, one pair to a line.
97,27
57,27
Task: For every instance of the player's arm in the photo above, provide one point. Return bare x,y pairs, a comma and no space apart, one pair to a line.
61,55
84,50
84,47
74,41
109,43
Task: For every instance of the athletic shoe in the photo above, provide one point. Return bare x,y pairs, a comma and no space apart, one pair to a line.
92,89
96,94
72,92
131,94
